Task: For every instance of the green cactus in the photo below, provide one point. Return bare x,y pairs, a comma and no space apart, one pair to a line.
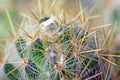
58,49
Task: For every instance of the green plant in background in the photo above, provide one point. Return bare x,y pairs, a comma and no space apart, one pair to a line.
58,47
115,17
4,24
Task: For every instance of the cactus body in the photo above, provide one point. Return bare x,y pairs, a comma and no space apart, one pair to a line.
57,49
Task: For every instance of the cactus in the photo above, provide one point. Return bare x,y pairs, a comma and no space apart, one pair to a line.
58,47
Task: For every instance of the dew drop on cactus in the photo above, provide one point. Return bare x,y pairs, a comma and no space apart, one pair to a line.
49,29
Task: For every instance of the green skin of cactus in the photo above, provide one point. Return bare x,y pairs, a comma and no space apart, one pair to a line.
14,74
